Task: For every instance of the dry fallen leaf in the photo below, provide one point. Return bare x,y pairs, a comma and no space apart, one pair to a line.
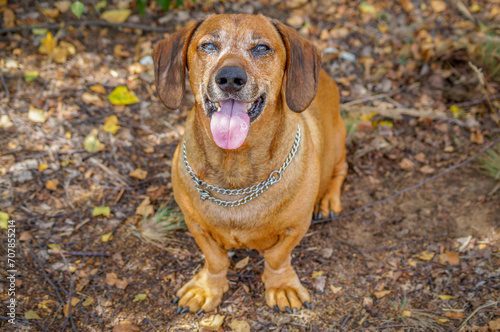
212,322
122,284
457,315
125,326
111,278
494,325
97,88
381,294
446,297
406,164
426,169
476,136
63,6
116,15
5,122
91,143
37,115
42,167
74,302
140,297
139,174
111,125
242,263
52,184
101,211
31,315
335,290
450,258
145,208
238,325
9,18
425,255
88,301
106,237
89,98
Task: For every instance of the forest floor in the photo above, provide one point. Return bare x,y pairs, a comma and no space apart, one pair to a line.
419,93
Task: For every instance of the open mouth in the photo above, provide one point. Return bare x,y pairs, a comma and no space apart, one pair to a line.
253,110
230,120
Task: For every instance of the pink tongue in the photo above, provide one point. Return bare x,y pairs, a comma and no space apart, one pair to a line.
230,125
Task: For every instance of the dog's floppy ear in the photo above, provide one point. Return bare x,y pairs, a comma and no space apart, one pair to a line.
170,56
303,64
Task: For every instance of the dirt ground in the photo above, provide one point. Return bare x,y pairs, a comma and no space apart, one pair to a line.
425,260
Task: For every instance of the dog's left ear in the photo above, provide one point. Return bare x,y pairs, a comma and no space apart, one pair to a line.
303,64
170,56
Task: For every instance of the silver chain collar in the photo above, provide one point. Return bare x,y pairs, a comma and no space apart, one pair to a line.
251,192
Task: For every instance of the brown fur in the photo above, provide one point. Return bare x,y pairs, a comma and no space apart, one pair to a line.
275,222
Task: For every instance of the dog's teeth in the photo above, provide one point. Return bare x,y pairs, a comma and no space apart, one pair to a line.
217,107
249,106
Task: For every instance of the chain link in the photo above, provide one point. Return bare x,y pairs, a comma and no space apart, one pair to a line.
251,192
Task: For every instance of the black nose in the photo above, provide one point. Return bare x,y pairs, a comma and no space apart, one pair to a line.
231,79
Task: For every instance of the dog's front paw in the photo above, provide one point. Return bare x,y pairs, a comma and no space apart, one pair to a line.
284,292
203,293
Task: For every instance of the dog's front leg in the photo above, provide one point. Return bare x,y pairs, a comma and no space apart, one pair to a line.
205,290
283,288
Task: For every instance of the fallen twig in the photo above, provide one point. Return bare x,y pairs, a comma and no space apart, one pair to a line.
490,304
449,169
6,88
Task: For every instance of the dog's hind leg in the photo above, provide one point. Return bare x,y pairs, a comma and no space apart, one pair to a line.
331,199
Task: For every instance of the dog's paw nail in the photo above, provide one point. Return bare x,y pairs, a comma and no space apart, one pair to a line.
320,216
186,309
288,310
315,216
175,300
276,308
308,305
179,309
332,214
294,311
200,312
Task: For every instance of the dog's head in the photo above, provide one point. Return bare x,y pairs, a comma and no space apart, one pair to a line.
238,66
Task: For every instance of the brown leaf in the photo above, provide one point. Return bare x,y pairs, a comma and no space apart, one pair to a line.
9,18
125,326
427,169
52,184
438,5
122,284
406,164
145,208
242,263
139,174
381,294
494,324
74,302
476,136
238,325
454,315
407,5
111,278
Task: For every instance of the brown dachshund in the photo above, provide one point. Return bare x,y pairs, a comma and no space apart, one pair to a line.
263,148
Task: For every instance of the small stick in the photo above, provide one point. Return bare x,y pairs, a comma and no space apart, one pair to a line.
475,312
7,93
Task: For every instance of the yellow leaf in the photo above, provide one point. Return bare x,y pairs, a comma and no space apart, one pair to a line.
317,274
442,320
97,88
31,315
242,263
438,5
106,237
88,301
367,116
50,12
42,167
335,290
140,297
238,325
5,122
457,111
475,8
39,32
70,48
4,220
116,15
31,76
72,268
139,174
446,297
367,8
37,115
425,255
406,313
52,184
386,123
111,124
67,134
55,247
213,322
101,211
47,44
9,18
92,143
122,96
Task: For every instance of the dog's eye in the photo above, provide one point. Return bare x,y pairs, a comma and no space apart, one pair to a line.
208,47
261,49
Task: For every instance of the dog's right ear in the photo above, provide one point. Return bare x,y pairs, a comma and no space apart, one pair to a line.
170,56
